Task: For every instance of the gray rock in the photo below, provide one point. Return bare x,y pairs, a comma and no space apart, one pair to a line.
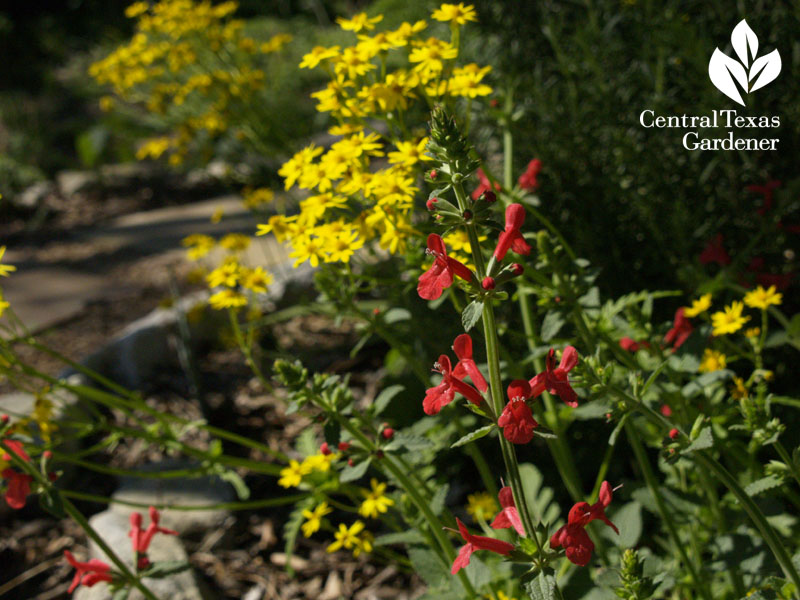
74,182
113,527
195,491
34,196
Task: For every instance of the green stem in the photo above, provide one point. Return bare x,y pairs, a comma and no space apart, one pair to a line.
248,505
247,350
787,459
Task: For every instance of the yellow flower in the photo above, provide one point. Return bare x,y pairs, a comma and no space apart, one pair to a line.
408,153
227,274
739,389
319,462
712,361
314,518
466,81
730,320
752,332
5,269
375,502
702,304
430,56
227,299
359,22
256,198
280,226
308,249
199,245
292,475
347,537
317,55
481,505
761,298
136,9
3,304
235,242
275,43
456,14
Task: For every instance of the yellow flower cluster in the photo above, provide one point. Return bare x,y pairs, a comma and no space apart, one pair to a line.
352,202
352,538
231,275
292,475
712,361
4,271
482,505
192,65
731,319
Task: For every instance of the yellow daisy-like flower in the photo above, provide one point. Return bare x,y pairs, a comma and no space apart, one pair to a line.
729,320
5,269
3,304
360,22
314,519
481,505
257,280
227,274
317,55
455,14
292,475
348,537
739,389
227,299
409,153
761,298
319,462
712,361
235,242
702,304
375,502
752,332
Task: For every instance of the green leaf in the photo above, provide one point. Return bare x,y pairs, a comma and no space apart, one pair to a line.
759,486
437,502
478,573
704,440
412,443
553,321
232,477
538,496
412,536
542,588
332,432
386,396
474,435
628,520
50,501
165,568
591,410
545,432
292,528
428,566
612,439
471,314
355,472
395,315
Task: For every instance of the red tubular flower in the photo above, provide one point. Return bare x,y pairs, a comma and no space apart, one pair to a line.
443,394
440,275
476,542
517,419
19,486
141,540
483,185
508,515
527,181
573,537
680,332
87,573
512,237
766,191
715,252
554,379
466,365
631,345
16,448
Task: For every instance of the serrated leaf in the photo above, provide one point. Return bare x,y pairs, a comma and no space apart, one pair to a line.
591,410
385,397
759,486
439,497
471,314
165,568
474,435
412,536
704,440
412,443
478,573
553,321
628,520
357,471
291,529
428,566
538,496
542,587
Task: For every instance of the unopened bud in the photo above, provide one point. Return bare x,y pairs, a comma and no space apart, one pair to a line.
350,462
376,311
343,446
47,455
430,204
674,433
467,215
489,197
487,283
379,454
325,448
434,173
3,419
517,269
387,433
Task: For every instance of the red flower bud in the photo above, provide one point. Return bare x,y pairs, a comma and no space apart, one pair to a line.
343,446
48,455
467,215
52,476
517,269
494,103
376,311
673,433
434,173
430,204
666,410
350,462
325,449
487,283
489,197
3,419
379,454
387,433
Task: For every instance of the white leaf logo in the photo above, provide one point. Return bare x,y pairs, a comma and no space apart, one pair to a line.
750,71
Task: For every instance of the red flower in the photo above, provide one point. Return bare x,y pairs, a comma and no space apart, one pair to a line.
141,540
527,181
681,330
766,191
715,252
517,419
554,379
440,275
483,185
87,573
443,394
19,484
466,365
631,345
512,237
16,448
508,515
573,536
476,542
